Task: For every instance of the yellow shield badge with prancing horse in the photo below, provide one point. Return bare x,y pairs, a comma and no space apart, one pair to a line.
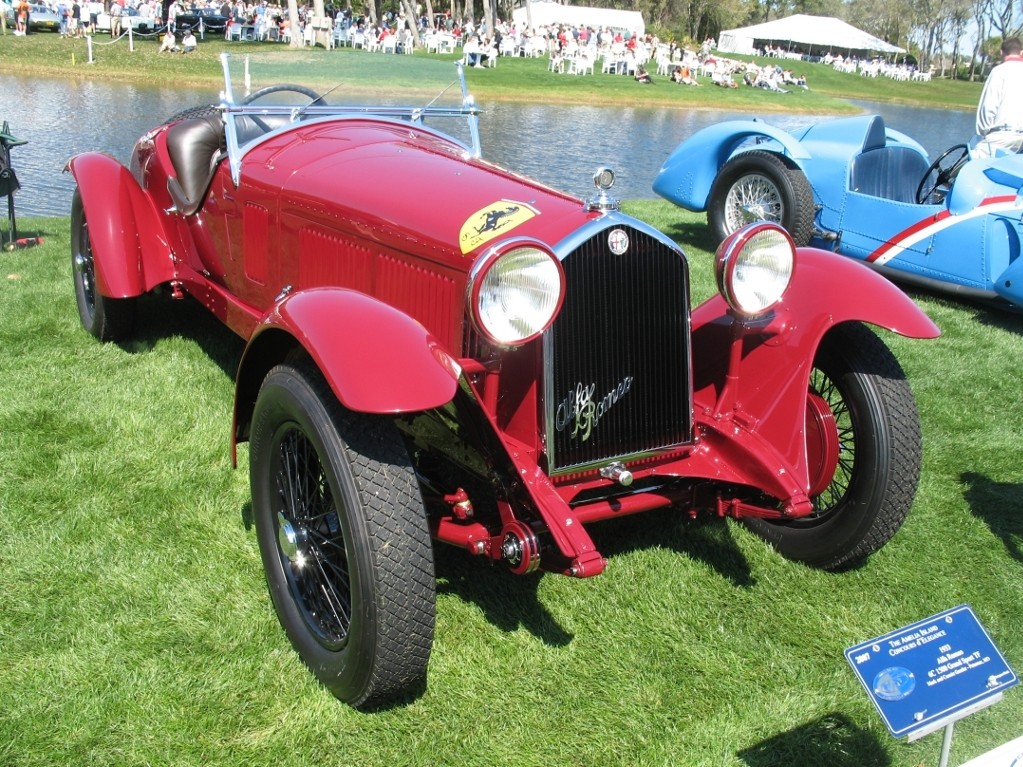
492,221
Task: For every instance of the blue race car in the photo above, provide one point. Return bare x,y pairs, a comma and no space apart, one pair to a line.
855,187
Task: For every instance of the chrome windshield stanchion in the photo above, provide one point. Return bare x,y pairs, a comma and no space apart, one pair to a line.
230,129
258,111
472,112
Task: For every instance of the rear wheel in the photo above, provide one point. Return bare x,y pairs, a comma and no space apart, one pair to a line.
864,447
108,319
760,186
343,537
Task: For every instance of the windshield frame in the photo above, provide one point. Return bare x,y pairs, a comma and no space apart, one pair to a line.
284,116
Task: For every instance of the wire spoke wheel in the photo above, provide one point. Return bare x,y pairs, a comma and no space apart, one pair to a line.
863,453
761,186
844,432
85,268
310,541
343,537
753,198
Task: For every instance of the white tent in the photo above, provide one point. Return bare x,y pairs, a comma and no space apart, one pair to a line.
544,13
812,34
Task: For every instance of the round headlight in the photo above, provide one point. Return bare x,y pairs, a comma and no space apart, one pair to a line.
515,292
754,265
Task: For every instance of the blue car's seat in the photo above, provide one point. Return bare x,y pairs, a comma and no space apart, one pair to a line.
891,172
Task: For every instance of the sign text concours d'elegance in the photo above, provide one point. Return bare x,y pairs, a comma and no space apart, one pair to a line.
928,675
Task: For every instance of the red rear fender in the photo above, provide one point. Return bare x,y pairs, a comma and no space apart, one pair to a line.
375,358
129,246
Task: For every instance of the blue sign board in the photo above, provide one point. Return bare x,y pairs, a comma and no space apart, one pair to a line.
931,671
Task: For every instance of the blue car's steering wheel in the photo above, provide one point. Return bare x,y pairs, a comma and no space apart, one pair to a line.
944,171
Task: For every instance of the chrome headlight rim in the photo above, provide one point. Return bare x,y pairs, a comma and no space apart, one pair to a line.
517,255
761,245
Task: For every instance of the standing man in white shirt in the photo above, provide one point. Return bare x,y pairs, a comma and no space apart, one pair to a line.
116,12
172,15
1000,112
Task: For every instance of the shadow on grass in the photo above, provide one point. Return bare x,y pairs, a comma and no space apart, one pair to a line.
22,239
508,601
1009,319
160,316
831,740
692,235
707,541
993,314
998,504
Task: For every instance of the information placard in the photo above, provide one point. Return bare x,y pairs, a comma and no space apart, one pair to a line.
931,672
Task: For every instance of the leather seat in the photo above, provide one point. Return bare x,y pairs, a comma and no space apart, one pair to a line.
196,147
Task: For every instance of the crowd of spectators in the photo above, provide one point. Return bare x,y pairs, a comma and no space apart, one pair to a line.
582,49
570,48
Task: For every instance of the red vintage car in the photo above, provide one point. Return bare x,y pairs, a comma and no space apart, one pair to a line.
438,349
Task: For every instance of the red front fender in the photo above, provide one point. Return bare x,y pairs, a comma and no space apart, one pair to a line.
765,397
375,358
827,289
129,247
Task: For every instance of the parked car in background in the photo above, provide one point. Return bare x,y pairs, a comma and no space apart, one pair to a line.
41,18
130,17
863,190
210,19
438,348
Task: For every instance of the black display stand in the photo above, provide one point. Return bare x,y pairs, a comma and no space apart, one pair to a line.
8,183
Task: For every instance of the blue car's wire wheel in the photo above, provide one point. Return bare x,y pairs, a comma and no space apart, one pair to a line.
760,186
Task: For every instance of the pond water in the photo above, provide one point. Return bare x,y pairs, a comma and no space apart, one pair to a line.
558,145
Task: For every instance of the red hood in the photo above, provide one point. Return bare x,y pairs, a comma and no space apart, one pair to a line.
407,188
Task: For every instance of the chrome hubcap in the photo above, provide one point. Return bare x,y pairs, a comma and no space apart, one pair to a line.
287,540
752,198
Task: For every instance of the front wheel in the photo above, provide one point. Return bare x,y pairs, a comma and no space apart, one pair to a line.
343,536
760,186
108,319
864,448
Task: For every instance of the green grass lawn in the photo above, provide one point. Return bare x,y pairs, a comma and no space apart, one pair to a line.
135,628
47,55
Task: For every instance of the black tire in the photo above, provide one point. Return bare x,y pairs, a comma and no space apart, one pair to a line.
761,186
344,539
108,319
204,110
862,504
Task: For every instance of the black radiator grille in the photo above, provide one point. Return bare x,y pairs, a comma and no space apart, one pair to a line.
617,357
